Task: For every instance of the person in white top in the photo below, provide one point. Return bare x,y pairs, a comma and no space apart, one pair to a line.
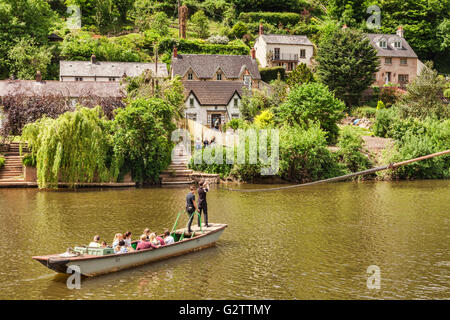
168,239
96,242
127,238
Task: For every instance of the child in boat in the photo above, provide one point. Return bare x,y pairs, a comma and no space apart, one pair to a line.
121,247
147,233
168,239
153,240
104,244
96,242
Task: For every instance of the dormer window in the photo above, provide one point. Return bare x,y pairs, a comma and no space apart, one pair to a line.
248,81
382,43
219,76
397,44
190,76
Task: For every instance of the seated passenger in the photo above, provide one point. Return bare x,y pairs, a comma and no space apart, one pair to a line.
161,240
153,240
144,244
116,240
127,238
168,239
96,242
104,244
121,247
147,233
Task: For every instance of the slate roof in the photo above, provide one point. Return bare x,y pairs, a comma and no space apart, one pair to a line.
206,65
405,52
73,89
217,93
108,69
286,39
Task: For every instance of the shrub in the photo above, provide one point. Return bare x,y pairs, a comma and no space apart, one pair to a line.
304,155
2,161
350,151
300,75
201,24
218,39
313,102
239,30
196,46
380,105
235,124
365,112
271,73
273,18
29,160
223,169
264,119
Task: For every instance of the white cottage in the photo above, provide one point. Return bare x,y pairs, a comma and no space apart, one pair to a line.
288,51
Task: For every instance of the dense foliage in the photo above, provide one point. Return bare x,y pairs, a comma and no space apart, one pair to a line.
351,152
347,63
311,103
272,73
75,147
2,161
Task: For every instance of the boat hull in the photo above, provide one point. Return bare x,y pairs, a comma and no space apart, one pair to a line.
93,266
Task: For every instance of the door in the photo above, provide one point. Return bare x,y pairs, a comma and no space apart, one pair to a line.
388,77
216,120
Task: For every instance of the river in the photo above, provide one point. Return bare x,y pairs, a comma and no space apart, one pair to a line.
308,243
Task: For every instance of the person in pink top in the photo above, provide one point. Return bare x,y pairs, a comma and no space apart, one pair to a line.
144,244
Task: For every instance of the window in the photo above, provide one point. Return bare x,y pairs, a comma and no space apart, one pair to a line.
277,53
236,102
403,61
404,78
191,102
302,53
192,116
248,81
397,45
78,79
112,79
387,60
382,43
219,76
190,76
235,115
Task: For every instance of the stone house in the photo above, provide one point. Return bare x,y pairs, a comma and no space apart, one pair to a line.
214,84
288,51
399,63
103,71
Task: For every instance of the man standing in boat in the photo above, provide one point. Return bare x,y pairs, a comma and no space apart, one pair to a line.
191,206
202,204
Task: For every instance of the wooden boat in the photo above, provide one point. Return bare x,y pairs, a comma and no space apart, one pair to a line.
92,265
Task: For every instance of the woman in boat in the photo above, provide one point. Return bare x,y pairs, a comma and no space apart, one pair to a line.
153,240
127,238
168,239
144,243
147,233
116,240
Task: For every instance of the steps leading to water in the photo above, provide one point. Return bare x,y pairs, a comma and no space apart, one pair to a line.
177,173
12,171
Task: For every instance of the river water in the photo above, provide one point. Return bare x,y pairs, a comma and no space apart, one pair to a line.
308,243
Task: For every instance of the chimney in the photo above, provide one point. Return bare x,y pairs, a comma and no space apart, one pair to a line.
400,31
38,76
93,59
344,26
261,29
253,53
175,52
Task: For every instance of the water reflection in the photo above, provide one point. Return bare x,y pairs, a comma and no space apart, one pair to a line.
310,243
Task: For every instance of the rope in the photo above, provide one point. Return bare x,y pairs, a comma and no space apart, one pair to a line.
347,176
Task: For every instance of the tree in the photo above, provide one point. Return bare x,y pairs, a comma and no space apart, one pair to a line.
142,135
19,19
309,103
201,24
301,74
123,6
27,58
239,30
347,63
160,23
423,95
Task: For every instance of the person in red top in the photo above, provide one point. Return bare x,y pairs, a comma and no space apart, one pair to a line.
144,244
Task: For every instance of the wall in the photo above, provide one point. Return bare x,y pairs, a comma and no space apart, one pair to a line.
262,48
395,68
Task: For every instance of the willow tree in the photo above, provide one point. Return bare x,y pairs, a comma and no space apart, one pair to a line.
74,148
